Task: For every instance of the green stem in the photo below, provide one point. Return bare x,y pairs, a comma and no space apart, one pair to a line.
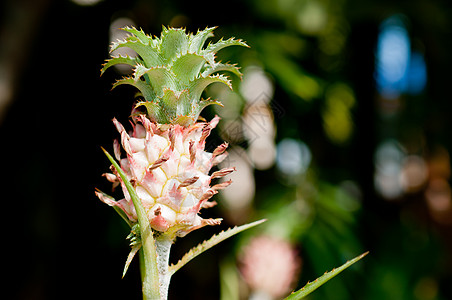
148,254
148,263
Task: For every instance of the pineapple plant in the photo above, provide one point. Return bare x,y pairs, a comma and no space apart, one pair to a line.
163,169
161,163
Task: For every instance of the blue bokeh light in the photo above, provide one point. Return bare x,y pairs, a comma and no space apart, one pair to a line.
417,75
392,58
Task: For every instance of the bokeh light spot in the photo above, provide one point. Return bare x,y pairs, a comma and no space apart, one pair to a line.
293,157
117,34
392,57
388,165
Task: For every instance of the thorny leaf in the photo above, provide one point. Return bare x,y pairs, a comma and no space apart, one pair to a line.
312,286
206,245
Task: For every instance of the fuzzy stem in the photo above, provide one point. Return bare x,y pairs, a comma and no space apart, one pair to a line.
163,246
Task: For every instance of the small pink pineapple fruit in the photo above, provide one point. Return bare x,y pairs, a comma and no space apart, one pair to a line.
169,170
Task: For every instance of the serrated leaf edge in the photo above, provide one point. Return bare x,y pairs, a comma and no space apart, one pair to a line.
312,286
206,245
130,257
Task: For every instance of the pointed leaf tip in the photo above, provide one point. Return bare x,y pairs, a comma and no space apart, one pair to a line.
174,41
198,40
144,39
116,60
130,257
220,67
215,47
312,286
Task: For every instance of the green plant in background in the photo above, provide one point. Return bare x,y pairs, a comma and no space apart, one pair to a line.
164,173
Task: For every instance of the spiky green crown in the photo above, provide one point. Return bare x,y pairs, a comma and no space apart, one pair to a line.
172,71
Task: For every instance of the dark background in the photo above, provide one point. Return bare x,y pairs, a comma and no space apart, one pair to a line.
59,241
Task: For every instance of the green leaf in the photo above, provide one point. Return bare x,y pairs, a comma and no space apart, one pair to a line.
160,78
145,89
229,280
224,43
135,243
126,60
155,112
312,286
219,67
187,67
206,245
183,120
169,100
144,39
198,85
139,71
293,78
130,257
176,103
204,103
174,42
148,54
150,276
197,41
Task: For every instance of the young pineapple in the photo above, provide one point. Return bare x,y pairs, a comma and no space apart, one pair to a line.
165,159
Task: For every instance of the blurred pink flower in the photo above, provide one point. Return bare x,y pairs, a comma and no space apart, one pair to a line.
270,267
